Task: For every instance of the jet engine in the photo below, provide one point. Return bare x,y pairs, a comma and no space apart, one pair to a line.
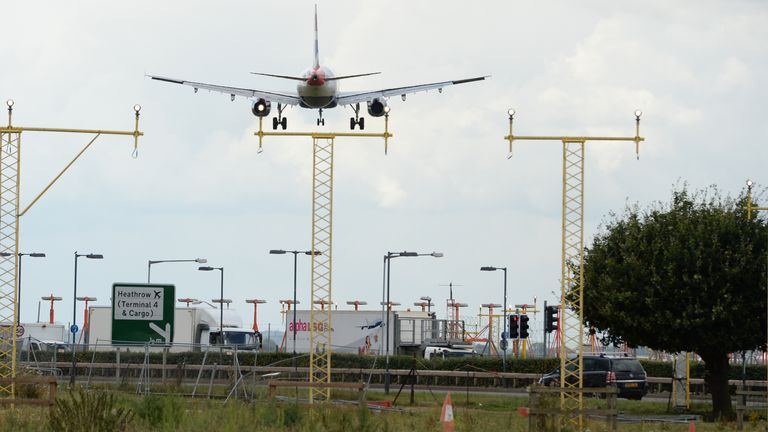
261,108
376,107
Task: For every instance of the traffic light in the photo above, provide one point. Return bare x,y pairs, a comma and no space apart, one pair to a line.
550,319
523,326
514,322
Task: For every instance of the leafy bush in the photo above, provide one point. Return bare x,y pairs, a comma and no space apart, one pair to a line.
88,412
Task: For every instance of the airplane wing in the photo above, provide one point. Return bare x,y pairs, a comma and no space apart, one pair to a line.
282,98
356,97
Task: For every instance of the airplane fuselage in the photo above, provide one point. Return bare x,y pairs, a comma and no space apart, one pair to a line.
317,91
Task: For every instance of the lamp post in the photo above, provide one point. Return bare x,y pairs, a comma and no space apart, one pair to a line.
18,284
150,262
295,262
387,258
504,310
73,328
221,297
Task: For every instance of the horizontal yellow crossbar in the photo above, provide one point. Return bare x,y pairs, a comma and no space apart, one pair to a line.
17,129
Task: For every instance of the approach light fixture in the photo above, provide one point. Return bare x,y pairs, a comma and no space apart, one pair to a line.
10,103
387,109
749,184
638,114
511,112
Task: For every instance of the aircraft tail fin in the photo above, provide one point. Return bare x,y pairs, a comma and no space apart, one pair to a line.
317,54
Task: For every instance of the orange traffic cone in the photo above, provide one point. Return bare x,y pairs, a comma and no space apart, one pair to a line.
692,426
446,416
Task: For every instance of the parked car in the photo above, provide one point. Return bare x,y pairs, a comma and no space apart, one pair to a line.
602,370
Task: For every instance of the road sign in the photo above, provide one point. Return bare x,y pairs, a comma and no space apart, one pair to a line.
142,312
19,330
73,328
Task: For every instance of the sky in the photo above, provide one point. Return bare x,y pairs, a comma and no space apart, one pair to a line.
199,188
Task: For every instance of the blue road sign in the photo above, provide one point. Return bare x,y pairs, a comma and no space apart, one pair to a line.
74,328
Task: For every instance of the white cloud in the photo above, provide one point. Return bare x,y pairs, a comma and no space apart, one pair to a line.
199,187
389,192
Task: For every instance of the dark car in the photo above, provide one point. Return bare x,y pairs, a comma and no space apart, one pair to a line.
601,370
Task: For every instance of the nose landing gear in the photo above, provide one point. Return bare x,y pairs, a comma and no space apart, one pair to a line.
321,120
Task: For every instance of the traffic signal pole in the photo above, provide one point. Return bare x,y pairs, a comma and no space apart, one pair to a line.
546,333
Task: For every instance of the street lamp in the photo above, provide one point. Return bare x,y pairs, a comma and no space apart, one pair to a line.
73,328
504,310
387,258
221,297
295,261
150,262
18,284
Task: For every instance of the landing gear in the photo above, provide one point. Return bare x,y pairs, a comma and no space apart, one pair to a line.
321,120
279,120
356,120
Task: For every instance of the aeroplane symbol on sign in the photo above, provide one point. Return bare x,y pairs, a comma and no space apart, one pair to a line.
165,334
369,326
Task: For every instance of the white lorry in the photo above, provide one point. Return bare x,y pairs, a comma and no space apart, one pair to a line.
193,328
42,336
365,332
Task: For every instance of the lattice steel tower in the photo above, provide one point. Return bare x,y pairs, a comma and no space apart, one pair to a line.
322,248
10,185
572,264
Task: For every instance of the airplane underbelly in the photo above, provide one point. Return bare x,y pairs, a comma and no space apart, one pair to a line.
318,96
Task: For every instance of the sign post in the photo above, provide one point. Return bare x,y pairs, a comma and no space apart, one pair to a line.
142,313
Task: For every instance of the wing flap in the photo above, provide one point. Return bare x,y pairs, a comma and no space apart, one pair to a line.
234,91
357,97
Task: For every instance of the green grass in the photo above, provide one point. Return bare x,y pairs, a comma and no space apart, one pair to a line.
481,412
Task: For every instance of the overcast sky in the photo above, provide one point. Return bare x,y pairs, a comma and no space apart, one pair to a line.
199,189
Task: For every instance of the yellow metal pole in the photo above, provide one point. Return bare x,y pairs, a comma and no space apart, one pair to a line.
320,344
10,186
572,261
750,208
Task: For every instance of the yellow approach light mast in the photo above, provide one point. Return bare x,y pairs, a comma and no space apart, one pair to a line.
10,186
572,262
322,236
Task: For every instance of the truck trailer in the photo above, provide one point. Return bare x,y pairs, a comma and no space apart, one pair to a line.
365,332
194,327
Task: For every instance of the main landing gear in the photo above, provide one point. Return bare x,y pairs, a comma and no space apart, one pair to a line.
321,120
279,120
357,120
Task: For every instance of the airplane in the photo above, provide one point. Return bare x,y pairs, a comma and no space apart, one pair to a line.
318,88
369,326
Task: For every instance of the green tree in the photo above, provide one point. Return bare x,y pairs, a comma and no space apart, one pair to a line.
689,275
